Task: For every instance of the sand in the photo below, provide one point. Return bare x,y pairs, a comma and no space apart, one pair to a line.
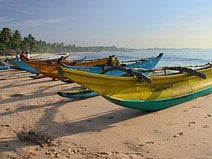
37,123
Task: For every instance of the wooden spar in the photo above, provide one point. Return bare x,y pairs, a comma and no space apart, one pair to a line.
140,75
178,68
134,60
188,70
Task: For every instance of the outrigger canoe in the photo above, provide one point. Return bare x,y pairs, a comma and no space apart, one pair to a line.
153,92
146,63
21,65
80,93
53,57
49,69
4,65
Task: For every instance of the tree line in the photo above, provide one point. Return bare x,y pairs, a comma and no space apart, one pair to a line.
13,41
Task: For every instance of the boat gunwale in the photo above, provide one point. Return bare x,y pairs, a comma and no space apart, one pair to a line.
124,78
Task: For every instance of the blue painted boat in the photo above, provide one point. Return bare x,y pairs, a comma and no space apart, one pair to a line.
147,63
21,65
4,65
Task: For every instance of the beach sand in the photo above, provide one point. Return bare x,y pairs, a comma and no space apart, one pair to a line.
37,123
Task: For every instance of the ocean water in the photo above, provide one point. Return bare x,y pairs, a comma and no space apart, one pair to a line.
175,57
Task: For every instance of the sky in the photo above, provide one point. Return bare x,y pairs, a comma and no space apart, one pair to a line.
123,23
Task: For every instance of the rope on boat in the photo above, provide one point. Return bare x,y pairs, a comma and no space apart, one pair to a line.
140,75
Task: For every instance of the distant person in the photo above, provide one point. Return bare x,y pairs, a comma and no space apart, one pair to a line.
117,61
23,55
28,56
60,60
17,56
112,60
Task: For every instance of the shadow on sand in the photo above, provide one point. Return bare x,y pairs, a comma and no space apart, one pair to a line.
92,123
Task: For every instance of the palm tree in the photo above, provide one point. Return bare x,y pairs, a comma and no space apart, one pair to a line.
24,44
16,40
5,37
31,41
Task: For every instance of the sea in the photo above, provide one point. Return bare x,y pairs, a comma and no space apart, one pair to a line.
171,57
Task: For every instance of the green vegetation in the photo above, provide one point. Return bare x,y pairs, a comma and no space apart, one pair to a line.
12,41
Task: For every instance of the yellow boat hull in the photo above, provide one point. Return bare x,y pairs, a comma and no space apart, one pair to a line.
132,89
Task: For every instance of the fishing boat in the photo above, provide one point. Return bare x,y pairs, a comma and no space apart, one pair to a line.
46,68
146,63
158,91
4,66
21,65
49,69
52,57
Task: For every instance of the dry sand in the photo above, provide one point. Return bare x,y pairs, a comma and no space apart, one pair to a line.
37,123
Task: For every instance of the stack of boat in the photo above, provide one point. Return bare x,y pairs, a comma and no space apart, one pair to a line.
134,84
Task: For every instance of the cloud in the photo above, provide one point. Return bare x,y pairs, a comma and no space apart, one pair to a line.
34,23
4,19
54,20
26,12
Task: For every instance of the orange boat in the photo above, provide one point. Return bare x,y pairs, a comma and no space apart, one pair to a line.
49,68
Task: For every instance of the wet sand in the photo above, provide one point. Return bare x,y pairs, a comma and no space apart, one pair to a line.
37,123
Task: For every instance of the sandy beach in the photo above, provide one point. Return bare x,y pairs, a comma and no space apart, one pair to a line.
37,123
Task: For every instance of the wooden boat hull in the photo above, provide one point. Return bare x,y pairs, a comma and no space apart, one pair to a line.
4,65
53,57
153,105
49,69
164,91
94,62
24,66
148,63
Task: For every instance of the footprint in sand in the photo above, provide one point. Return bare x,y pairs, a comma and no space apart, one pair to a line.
205,126
178,135
208,116
196,107
149,142
5,125
191,123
